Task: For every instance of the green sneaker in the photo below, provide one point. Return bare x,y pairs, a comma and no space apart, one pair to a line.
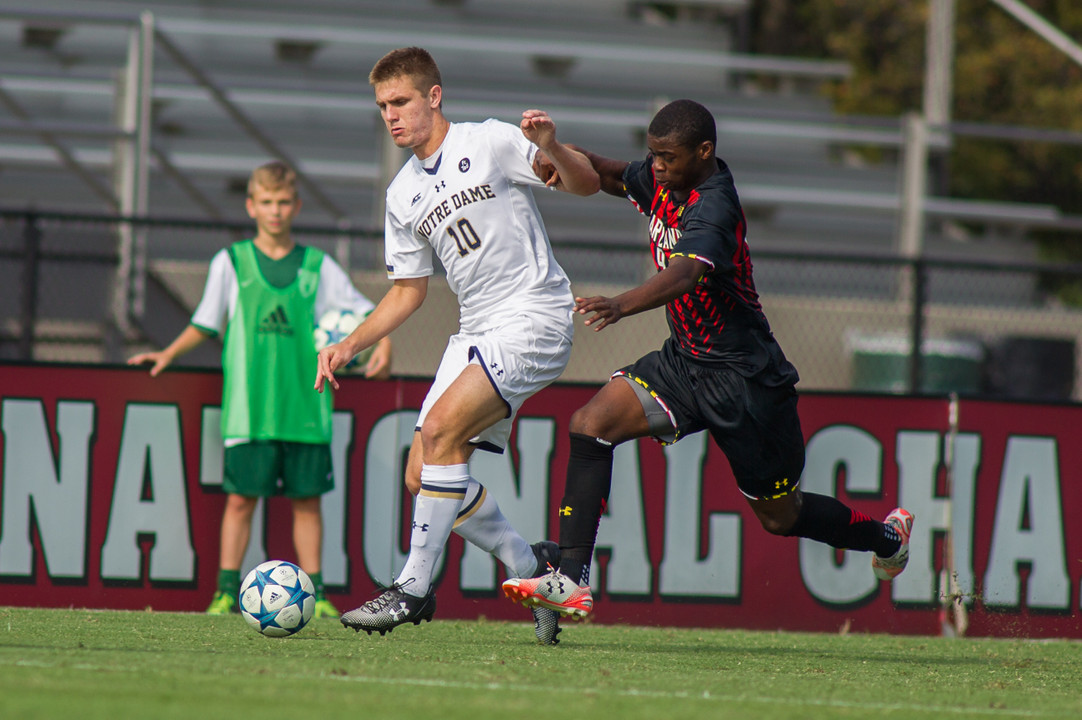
324,608
222,604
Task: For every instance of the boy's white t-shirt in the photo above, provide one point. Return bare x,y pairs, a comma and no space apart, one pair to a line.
471,201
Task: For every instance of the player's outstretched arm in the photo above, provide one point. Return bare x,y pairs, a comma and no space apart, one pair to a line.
610,172
679,278
189,338
572,171
401,301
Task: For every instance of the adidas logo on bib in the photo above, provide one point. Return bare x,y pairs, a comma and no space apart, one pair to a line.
276,323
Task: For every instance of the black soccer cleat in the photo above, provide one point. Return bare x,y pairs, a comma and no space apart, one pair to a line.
546,625
546,622
392,608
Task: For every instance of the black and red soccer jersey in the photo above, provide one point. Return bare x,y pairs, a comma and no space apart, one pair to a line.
721,320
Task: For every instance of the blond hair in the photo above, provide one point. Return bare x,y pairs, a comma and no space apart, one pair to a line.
412,62
273,176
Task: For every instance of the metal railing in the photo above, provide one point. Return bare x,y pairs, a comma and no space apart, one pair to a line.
849,321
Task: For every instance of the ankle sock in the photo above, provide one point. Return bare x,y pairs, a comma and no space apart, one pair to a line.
229,582
830,521
317,580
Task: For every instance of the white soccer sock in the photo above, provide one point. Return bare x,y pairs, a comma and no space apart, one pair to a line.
481,522
434,511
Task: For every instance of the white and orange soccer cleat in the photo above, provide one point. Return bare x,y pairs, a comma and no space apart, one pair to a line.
554,591
888,568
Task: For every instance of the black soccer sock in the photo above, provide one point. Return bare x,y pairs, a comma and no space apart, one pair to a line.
830,521
589,481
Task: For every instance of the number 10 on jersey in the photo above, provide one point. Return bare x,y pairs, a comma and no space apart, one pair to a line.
466,237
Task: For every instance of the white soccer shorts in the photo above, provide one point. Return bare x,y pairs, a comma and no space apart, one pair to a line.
523,355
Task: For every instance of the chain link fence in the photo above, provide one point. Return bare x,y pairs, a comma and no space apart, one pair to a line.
848,322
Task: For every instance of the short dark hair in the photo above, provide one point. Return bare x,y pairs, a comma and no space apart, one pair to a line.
412,62
686,122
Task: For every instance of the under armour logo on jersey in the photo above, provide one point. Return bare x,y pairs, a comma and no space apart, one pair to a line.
441,184
463,164
496,369
566,511
423,527
416,199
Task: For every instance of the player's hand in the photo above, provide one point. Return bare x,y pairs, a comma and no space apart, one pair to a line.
159,359
538,127
544,169
606,311
379,365
330,359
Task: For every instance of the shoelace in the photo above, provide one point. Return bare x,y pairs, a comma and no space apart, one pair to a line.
553,576
389,596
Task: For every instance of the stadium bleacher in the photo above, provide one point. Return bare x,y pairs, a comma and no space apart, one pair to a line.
293,78
300,76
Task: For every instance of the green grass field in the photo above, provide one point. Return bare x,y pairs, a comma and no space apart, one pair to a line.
84,664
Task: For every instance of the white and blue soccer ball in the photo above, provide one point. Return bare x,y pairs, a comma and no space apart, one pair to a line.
277,598
334,326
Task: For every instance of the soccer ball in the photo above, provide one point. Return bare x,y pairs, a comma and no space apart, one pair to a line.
333,327
277,598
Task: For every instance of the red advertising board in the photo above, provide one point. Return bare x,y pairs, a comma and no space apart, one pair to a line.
110,498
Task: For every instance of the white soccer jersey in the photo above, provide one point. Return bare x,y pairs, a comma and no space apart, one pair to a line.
335,292
471,201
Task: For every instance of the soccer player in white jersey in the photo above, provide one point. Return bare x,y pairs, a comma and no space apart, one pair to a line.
465,195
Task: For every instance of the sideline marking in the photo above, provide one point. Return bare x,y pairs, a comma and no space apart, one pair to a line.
678,695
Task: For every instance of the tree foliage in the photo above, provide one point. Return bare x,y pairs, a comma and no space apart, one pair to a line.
1004,73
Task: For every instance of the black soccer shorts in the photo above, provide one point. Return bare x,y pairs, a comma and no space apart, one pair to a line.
755,425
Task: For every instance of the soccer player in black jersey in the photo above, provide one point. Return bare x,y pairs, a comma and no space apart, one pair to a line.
720,370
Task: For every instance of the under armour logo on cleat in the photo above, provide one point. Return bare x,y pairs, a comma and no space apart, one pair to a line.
400,611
